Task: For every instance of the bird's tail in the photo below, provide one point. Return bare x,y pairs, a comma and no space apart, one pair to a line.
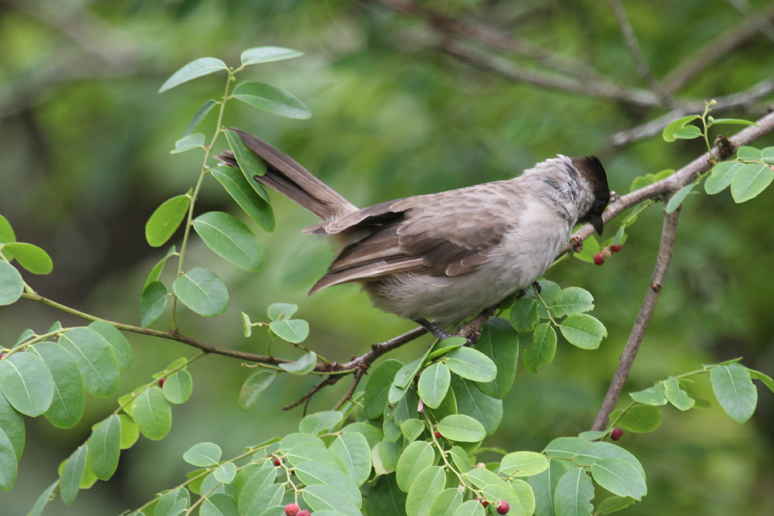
292,180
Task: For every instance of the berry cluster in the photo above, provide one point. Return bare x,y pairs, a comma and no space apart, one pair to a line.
607,252
292,509
502,507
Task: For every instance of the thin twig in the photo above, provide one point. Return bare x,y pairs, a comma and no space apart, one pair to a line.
636,52
308,396
668,236
355,381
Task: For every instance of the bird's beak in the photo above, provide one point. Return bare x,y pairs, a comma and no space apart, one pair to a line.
596,221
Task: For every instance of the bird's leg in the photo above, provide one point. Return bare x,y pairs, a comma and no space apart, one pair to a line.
537,286
437,332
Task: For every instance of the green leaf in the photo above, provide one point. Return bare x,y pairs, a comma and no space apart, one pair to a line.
433,384
302,366
757,375
383,498
291,330
389,453
230,239
407,407
353,451
734,390
320,422
482,477
619,477
129,432
412,429
203,455
597,451
155,272
254,487
590,248
198,68
748,153
43,500
11,284
152,302
524,314
461,459
721,176
677,199
96,361
470,508
767,155
677,397
372,434
178,387
69,400
417,456
523,464
542,350
574,493
583,331
732,121
471,364
526,496
461,428
378,386
280,311
292,440
750,181
256,206
219,504
572,300
152,413
424,490
72,473
249,162
549,291
688,133
312,473
6,233
8,462
473,402
104,447
272,99
31,257
172,502
566,447
306,451
614,504
257,55
27,383
641,419
446,503
544,485
12,423
253,387
669,131
321,497
200,114
500,343
188,142
116,340
202,291
655,395
497,493
163,223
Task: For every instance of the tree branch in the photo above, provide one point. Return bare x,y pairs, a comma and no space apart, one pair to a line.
668,237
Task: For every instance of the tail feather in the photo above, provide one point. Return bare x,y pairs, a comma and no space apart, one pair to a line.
287,177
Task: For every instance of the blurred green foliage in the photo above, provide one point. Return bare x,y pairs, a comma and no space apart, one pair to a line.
85,141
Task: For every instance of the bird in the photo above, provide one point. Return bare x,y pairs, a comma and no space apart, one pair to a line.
440,258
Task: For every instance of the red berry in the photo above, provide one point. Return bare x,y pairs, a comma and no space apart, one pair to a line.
161,382
606,252
437,434
303,513
292,509
482,501
599,259
2,355
615,248
503,508
616,434
277,461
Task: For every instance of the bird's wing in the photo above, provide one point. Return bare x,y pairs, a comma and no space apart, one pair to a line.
446,234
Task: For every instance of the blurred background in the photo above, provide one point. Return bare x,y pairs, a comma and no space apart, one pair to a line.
408,98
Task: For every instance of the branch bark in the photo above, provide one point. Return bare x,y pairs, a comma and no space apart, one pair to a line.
664,259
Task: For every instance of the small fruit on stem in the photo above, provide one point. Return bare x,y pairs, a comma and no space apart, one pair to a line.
161,382
277,461
599,259
606,252
503,508
437,434
615,248
303,513
616,434
292,509
482,501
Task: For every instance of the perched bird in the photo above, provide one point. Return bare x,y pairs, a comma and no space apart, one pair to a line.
445,256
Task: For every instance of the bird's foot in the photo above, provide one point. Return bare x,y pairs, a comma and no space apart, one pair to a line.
537,286
434,330
576,244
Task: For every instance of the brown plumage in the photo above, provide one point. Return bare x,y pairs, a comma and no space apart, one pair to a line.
446,255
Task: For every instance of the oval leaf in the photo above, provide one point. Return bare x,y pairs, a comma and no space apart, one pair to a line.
12,423
152,302
425,489
417,457
27,383
572,300
116,340
500,342
257,55
245,196
230,239
291,330
8,463
673,127
734,390
311,473
462,428
676,396
321,497
619,477
320,421
353,451
202,291
31,257
200,114
163,223
152,413
543,348
104,447
641,419
378,387
11,284
272,99
750,181
203,455
721,176
583,331
303,365
69,400
523,464
433,384
194,69
253,387
72,473
96,361
177,387
186,143
219,504
471,364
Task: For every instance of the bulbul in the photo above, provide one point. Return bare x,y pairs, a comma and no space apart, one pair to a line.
449,255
